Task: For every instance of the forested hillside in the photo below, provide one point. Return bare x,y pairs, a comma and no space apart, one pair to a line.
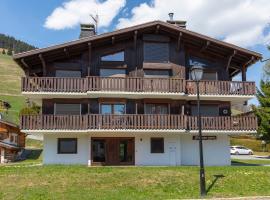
10,45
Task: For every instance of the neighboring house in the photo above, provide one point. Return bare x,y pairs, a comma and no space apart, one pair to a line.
12,141
126,97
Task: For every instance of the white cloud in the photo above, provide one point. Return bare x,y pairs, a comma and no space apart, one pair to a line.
242,22
73,12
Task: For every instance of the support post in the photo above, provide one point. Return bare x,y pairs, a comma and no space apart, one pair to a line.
43,64
89,58
179,41
202,171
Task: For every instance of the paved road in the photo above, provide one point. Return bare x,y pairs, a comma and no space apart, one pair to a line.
249,157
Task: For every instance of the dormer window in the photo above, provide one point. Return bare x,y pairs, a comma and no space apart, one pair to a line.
118,56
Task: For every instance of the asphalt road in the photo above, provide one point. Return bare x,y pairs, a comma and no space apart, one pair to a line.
249,157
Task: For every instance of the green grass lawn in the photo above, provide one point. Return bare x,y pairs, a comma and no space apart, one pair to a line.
80,182
250,162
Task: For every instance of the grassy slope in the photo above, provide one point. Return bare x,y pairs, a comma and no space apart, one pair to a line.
10,86
249,142
79,182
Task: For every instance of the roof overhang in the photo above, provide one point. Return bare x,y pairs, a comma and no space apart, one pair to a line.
233,53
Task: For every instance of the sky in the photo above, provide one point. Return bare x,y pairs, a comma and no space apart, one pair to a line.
44,23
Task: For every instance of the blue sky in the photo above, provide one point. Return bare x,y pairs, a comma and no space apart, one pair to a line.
25,20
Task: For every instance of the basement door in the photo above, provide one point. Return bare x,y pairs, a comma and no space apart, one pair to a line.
113,151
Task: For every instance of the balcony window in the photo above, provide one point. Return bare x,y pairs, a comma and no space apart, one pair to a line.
119,56
156,109
67,109
117,109
206,110
157,73
112,72
67,145
157,145
156,52
68,73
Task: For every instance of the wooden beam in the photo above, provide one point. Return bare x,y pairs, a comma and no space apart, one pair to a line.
157,29
113,39
135,39
230,59
179,41
27,68
66,52
43,64
89,58
204,47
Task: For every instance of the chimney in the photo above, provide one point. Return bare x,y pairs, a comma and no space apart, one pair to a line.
178,23
87,30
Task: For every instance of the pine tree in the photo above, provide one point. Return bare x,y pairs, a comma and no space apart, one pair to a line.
263,110
3,51
9,52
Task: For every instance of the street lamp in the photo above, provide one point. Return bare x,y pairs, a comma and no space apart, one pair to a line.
196,75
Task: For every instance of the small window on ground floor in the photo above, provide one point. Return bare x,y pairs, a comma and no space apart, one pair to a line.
157,145
67,145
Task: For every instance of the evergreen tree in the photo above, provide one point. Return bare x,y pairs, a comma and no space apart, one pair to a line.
9,52
3,51
263,110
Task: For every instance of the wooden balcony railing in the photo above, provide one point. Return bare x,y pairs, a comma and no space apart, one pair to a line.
137,122
81,85
222,87
235,123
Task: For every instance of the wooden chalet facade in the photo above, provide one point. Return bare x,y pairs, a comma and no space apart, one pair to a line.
12,141
126,97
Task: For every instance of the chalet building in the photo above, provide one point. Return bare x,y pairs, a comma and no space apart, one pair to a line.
126,97
12,141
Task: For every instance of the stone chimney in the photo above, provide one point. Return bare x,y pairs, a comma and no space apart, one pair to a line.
87,30
178,23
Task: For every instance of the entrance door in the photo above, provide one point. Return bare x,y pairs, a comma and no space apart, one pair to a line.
113,151
172,153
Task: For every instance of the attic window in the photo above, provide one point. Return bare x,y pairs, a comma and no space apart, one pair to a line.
157,52
119,56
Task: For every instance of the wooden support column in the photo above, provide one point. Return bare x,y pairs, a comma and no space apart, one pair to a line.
135,40
230,59
178,48
204,47
244,69
113,40
157,29
66,52
43,64
27,69
89,58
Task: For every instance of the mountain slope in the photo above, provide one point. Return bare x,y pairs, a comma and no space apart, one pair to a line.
10,87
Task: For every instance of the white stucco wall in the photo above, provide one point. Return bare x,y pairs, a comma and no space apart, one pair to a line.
143,155
178,149
50,155
216,152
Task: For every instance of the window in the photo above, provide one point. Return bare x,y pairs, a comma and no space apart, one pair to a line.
157,145
112,72
156,109
157,73
68,73
209,75
67,145
156,52
206,110
116,108
119,56
67,109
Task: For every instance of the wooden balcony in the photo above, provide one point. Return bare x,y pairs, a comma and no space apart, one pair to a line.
98,121
135,122
222,88
136,85
81,85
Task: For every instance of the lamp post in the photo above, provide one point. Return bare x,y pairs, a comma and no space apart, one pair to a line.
196,75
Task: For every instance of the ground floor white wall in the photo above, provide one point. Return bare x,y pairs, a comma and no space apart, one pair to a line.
179,149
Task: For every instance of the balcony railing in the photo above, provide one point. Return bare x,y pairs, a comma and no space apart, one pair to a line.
221,87
135,122
81,85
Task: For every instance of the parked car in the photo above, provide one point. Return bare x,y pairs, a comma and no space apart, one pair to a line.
240,150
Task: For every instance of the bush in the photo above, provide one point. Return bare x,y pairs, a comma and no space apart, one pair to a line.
30,110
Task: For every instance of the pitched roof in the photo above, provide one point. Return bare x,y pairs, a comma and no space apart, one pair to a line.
170,27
